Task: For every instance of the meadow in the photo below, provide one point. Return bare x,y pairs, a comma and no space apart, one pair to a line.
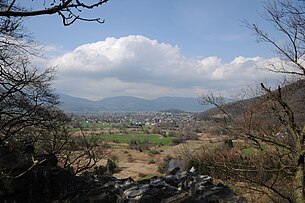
139,137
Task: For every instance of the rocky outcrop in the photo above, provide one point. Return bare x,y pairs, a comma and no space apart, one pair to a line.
49,183
180,187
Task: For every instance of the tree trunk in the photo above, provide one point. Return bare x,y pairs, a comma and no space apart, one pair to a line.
299,181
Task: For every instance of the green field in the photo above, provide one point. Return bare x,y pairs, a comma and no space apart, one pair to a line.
125,138
89,125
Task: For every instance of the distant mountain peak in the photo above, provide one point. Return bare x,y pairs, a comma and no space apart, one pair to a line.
129,104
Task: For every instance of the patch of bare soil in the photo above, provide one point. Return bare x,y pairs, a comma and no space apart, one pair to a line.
137,164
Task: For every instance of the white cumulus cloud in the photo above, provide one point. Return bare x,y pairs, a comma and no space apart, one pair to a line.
138,66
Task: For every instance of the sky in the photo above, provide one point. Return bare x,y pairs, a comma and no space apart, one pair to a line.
154,48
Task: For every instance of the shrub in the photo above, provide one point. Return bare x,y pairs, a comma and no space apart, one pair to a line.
251,170
152,161
154,151
163,166
177,141
130,159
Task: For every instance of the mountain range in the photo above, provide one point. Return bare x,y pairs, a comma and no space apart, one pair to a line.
130,104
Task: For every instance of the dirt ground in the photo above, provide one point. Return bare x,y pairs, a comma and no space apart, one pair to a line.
136,164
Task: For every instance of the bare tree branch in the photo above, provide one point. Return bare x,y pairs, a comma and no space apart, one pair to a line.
69,10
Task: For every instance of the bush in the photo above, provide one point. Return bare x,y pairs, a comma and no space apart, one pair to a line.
163,166
99,170
152,161
177,141
112,165
154,151
137,145
130,159
115,141
251,170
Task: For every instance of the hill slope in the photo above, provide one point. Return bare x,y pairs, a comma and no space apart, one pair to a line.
293,94
76,104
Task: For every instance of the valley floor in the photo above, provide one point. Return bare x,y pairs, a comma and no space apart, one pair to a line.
137,164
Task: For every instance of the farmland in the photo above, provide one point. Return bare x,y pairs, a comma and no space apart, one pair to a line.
140,141
139,137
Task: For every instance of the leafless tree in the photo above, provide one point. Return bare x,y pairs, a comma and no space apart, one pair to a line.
76,151
29,112
275,118
26,96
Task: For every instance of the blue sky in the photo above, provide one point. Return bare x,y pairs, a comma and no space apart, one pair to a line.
152,48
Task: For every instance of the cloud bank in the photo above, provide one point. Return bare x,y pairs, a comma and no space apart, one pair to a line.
138,66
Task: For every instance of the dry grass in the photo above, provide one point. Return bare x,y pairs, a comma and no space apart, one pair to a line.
141,164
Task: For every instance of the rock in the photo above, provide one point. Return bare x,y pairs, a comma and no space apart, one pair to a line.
47,182
47,159
174,171
175,163
192,170
13,160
